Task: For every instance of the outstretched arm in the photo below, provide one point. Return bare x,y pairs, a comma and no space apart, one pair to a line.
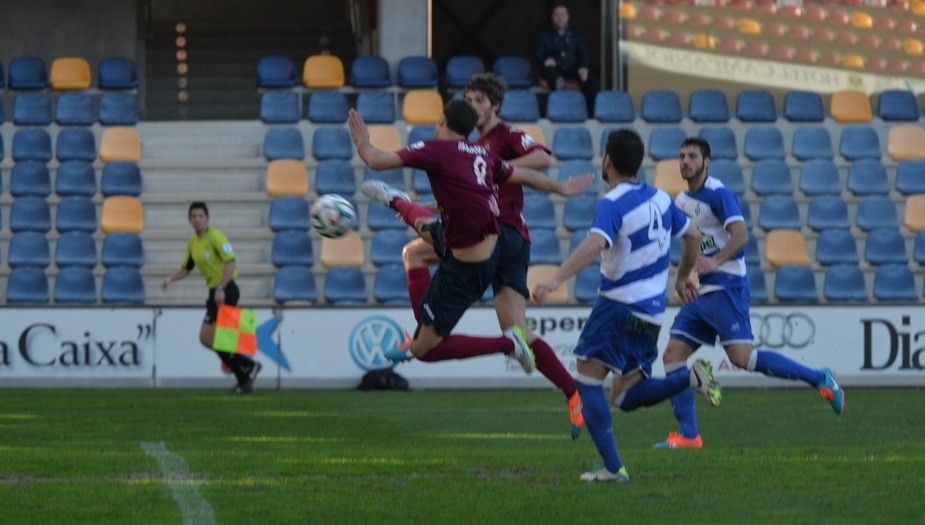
537,159
538,181
585,253
373,157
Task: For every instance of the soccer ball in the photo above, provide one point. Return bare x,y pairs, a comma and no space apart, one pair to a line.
332,216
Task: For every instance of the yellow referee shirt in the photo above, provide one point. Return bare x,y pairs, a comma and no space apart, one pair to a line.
209,252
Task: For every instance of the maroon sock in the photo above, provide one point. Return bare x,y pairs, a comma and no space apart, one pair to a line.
550,366
466,346
418,283
409,211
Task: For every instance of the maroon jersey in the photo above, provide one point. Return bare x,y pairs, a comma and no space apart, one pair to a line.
509,143
464,178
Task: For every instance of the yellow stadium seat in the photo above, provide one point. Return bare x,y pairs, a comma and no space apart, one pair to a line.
538,273
749,26
862,20
786,248
704,41
384,137
422,106
70,73
850,106
906,142
122,214
915,213
627,11
913,47
120,144
286,178
534,131
668,177
323,72
854,61
345,252
918,8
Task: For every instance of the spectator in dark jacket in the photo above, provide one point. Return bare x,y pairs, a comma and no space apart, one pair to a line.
563,56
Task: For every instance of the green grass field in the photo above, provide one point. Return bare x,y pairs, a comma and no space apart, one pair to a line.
775,456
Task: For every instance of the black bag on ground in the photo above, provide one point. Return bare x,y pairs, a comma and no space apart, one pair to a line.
383,379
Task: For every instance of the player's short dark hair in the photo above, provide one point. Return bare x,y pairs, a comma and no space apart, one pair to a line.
198,205
460,117
492,85
625,149
700,143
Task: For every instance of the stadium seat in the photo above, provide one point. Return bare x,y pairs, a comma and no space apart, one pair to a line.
123,285
906,142
758,289
875,212
894,282
420,133
566,105
387,245
345,286
346,251
844,283
76,214
572,142
279,107
803,106
793,284
292,247
535,132
32,109
544,247
520,106
574,168
836,246
786,248
778,212
370,72
288,213
588,284
910,177
668,177
417,72
515,70
764,143
382,136
70,74
75,285
379,217
575,240
75,144
422,106
294,283
74,109
327,107
730,174
120,144
674,251
868,177
29,248
30,214
755,106
286,178
885,246
276,72
287,143
75,178
391,285
918,251
722,142
376,107
771,177
579,212
323,72
665,142
2,115
708,105
661,107
460,68
850,106
420,182
122,214
335,176
614,106
75,249
30,178
539,211
812,142
859,142
827,212
914,218
819,177
121,178
394,177
121,73
27,73
752,253
118,109
122,249
27,285
897,105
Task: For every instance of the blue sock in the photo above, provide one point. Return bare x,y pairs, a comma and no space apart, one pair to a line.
599,422
651,390
684,408
777,365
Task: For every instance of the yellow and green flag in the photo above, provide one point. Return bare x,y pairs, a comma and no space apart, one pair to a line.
235,330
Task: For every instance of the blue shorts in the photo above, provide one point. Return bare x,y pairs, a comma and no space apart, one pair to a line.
618,339
722,314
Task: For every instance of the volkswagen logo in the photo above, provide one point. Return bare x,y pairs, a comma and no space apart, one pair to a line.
774,330
370,338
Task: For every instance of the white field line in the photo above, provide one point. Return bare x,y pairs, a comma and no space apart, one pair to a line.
194,508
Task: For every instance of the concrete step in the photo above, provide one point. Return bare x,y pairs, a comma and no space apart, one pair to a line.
173,216
180,180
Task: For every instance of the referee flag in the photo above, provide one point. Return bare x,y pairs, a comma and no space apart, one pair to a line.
235,330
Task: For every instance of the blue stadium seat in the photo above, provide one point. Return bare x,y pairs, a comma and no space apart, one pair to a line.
292,248
771,177
419,133
294,283
795,284
2,115
31,144
284,143
75,249
75,178
76,214
845,283
604,136
279,107
722,142
519,106
370,72
755,106
460,68
335,176
117,73
859,142
30,178
758,287
588,284
752,253
27,285
276,72
579,212
575,240
75,285
868,177
121,178
515,70
918,251
569,143
910,177
885,246
376,107
30,214
118,109
894,282
29,249
746,210
417,72
566,105
764,143
539,212
75,109
827,212
28,73
32,109
708,105
614,106
387,245
812,142
665,142
123,285
819,177
394,177
331,143
344,286
544,247
122,249
661,107
778,212
836,246
875,212
379,217
730,174
803,106
327,107
897,105
288,213
574,168
674,251
391,285
75,144
421,183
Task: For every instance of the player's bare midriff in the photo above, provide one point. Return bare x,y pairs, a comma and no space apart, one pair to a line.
477,252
